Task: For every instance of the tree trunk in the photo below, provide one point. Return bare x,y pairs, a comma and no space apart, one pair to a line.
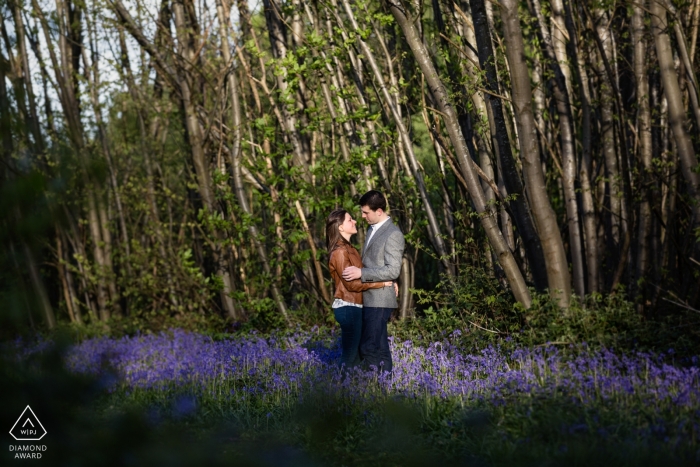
509,172
32,117
481,111
676,110
66,279
433,226
586,164
545,219
235,155
317,265
93,83
569,165
5,117
558,33
66,71
505,257
279,52
644,148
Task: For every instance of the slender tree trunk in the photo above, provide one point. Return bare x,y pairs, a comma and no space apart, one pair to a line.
407,283
5,117
65,69
146,148
558,33
317,265
39,288
586,163
644,146
688,65
569,165
186,48
545,219
694,34
482,115
279,52
93,83
32,117
433,226
66,279
509,172
438,90
676,110
235,154
612,171
194,130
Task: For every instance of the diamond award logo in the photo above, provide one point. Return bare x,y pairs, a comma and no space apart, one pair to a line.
28,427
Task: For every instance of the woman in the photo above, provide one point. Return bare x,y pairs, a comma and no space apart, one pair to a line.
347,305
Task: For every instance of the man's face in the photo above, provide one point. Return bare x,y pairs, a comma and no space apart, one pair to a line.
372,217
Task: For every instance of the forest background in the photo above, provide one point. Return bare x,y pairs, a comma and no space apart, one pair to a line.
172,164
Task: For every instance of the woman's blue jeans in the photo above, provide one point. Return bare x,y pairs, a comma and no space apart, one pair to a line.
350,320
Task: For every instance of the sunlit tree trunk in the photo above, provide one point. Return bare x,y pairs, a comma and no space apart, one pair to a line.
509,172
558,33
505,257
434,228
547,227
568,152
65,68
676,110
279,51
236,155
682,46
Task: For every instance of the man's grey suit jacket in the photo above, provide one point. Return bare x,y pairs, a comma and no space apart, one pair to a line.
381,261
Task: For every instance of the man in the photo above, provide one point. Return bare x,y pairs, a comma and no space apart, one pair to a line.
381,260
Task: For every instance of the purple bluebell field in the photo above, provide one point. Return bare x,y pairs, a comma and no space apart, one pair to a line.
504,404
273,369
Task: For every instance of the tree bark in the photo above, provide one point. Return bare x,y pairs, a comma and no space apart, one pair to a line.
66,279
644,146
433,226
505,257
566,135
509,172
66,70
279,52
676,110
32,117
545,219
235,155
586,163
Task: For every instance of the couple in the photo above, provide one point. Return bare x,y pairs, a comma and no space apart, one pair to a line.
365,296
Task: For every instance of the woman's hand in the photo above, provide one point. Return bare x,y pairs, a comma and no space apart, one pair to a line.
392,284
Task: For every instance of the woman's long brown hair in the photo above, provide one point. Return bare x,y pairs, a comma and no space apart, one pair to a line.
333,236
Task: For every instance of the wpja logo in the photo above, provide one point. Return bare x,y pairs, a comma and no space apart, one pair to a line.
28,428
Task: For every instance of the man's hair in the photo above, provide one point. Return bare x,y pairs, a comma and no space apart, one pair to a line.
373,200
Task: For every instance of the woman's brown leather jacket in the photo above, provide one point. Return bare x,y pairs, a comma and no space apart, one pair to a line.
343,256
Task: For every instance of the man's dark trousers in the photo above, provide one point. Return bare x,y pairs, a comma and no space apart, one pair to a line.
374,343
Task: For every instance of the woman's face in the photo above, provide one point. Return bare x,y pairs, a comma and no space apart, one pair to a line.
349,225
